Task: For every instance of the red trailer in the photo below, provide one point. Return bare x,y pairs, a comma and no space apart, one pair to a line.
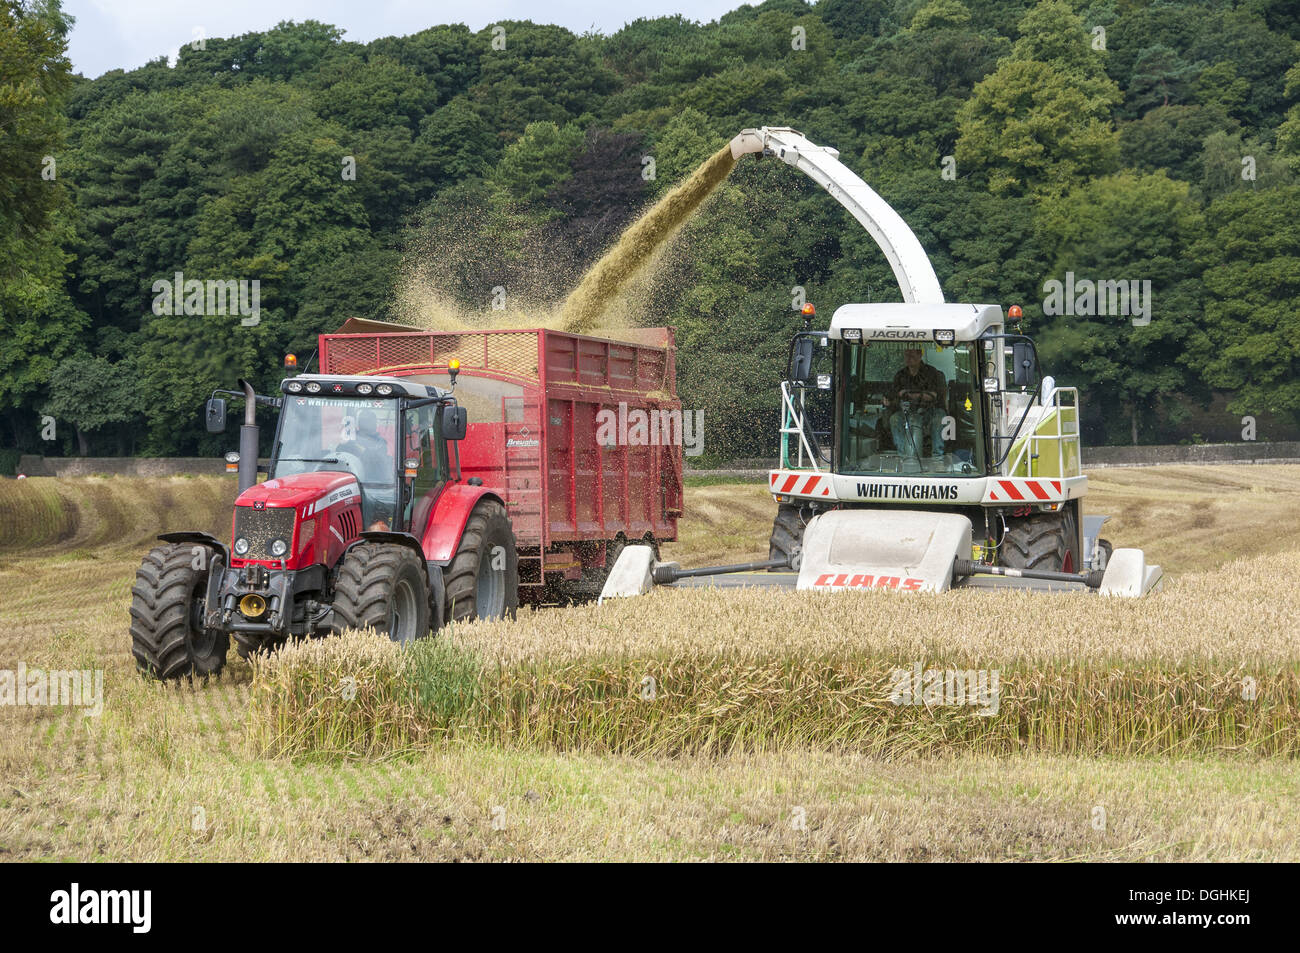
553,429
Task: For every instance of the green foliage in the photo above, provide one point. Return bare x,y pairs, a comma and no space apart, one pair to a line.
1249,259
1232,161
39,324
536,162
1041,122
1126,228
1171,138
478,166
90,394
34,78
1288,137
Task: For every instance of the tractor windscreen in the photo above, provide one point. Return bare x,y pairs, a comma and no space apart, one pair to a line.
910,408
351,435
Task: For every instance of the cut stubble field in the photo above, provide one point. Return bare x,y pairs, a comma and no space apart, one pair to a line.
1131,712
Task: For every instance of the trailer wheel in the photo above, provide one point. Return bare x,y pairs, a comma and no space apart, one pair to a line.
787,530
588,586
1042,541
381,586
168,638
483,577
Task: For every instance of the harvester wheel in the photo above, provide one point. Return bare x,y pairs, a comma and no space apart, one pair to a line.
382,586
168,639
483,577
787,531
1106,549
1042,541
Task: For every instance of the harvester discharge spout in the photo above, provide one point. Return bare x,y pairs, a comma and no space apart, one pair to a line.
911,266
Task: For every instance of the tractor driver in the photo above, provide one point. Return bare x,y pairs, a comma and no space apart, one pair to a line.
371,447
377,468
918,405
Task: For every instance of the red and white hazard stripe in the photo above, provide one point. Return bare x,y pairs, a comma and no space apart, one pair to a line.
1026,491
799,484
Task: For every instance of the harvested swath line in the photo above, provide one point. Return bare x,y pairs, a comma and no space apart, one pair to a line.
753,701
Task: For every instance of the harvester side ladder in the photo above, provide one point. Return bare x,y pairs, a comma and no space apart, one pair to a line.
792,424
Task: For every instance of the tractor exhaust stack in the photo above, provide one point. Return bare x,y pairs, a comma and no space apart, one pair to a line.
248,438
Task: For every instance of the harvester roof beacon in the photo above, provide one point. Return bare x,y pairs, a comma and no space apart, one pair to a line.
921,446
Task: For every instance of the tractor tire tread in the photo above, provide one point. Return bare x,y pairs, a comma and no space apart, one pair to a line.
160,616
364,584
487,520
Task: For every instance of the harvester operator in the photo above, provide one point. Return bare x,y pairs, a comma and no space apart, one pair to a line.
918,405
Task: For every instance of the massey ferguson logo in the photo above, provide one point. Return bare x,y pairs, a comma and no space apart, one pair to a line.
904,491
259,504
844,580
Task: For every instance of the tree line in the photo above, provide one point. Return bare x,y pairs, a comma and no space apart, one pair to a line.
1116,140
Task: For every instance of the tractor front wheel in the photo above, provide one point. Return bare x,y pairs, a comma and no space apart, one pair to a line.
383,587
168,638
483,578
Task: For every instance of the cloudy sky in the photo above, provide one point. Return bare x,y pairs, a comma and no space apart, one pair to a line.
112,34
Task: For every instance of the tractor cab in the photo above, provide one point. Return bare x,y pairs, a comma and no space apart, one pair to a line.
387,432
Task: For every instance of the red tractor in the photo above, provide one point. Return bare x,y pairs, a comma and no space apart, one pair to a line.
364,520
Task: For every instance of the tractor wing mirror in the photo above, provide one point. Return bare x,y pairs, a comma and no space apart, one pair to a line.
215,415
801,362
455,420
1025,365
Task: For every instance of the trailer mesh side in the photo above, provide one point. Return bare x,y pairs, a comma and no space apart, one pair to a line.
508,352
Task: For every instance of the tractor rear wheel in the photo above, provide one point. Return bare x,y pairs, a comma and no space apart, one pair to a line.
383,587
168,638
1042,541
483,577
787,531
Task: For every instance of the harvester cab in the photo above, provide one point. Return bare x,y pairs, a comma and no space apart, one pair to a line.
921,447
364,521
934,408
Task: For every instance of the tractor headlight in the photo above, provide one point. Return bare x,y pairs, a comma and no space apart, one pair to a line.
241,546
313,387
294,386
944,336
365,388
385,389
278,548
852,334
